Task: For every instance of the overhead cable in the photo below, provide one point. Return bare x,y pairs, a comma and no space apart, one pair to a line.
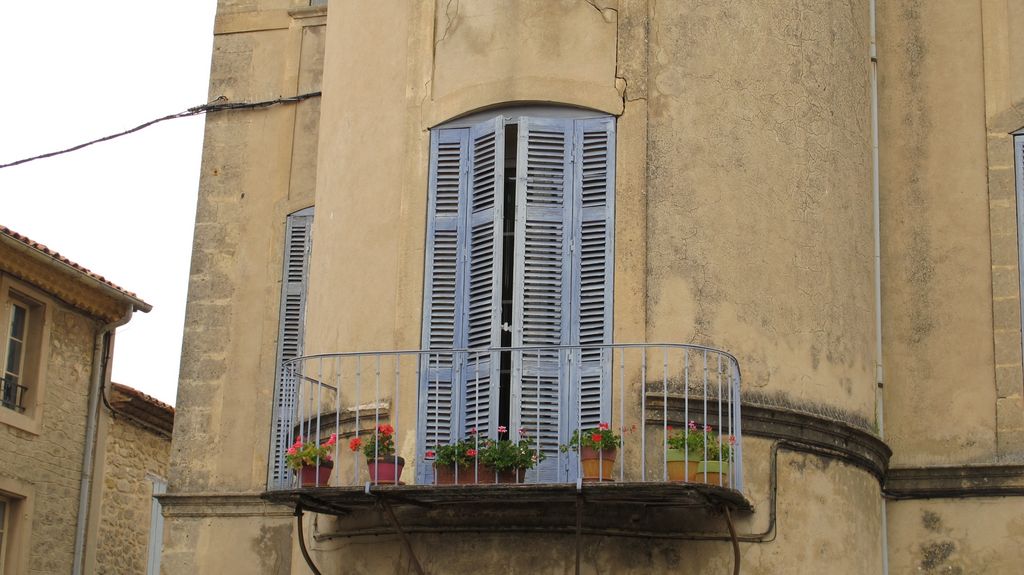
220,104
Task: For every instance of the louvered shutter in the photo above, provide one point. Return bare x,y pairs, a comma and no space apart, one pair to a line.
482,287
542,287
593,197
298,243
442,307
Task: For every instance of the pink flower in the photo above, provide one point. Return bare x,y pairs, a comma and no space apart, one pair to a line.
692,425
502,429
602,426
707,428
732,440
522,432
292,450
596,438
332,440
472,431
471,453
430,453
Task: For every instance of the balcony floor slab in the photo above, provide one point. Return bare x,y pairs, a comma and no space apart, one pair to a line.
610,508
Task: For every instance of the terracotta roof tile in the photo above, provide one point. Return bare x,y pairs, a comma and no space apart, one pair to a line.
142,407
56,256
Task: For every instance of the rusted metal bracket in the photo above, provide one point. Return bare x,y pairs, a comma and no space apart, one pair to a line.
735,543
302,541
579,527
386,506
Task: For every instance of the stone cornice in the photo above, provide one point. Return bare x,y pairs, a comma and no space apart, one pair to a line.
220,505
954,481
845,441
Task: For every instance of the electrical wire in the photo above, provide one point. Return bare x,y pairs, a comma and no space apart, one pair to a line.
220,104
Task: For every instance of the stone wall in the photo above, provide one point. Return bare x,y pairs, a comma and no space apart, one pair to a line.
50,463
132,453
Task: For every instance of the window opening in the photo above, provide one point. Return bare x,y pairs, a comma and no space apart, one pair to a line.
12,395
507,271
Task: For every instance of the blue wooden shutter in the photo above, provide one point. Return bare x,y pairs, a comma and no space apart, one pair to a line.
442,309
298,243
542,286
593,226
482,287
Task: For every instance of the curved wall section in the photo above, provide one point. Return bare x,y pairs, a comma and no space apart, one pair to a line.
759,193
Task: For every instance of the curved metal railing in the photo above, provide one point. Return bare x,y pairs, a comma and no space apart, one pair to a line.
645,393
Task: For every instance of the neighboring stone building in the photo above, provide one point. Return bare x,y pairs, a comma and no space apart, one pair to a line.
137,444
58,323
827,189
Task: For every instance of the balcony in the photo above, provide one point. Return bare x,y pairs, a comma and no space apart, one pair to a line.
12,395
644,393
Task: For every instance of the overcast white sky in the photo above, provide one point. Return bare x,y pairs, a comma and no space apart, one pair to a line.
72,71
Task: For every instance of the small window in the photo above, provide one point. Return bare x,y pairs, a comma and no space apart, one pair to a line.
24,319
13,394
20,352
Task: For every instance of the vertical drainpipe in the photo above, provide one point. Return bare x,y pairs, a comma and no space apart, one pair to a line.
876,224
98,379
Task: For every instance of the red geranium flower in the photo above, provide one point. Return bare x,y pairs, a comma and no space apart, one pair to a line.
430,453
596,438
355,444
471,453
602,426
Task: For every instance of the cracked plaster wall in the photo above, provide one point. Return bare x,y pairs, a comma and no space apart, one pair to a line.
759,204
956,537
938,247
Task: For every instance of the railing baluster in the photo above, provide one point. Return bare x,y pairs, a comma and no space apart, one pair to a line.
686,410
643,415
718,374
358,402
704,429
337,414
664,413
395,402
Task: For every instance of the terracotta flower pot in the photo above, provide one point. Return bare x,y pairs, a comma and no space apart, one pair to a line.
597,465
385,470
679,467
446,475
490,475
717,473
316,476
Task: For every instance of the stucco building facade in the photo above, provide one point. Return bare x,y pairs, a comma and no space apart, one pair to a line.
825,190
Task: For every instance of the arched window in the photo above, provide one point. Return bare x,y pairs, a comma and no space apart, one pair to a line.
519,253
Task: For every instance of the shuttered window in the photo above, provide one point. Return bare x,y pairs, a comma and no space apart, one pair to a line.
294,276
560,280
